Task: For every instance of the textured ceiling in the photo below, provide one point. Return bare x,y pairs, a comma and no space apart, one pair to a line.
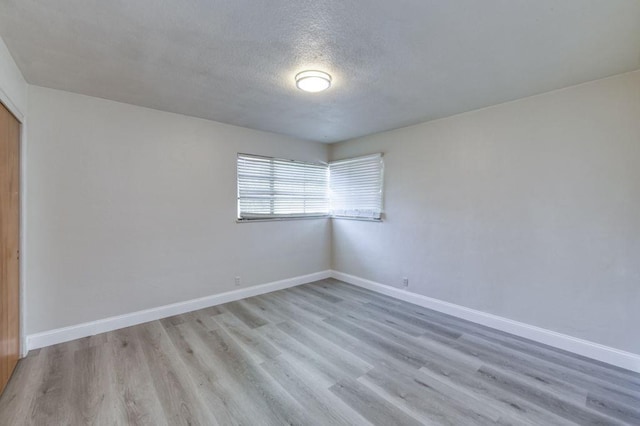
394,63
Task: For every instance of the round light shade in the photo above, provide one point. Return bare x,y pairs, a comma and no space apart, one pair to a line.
313,81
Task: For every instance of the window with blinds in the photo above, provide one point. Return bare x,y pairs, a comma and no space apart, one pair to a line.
355,187
270,188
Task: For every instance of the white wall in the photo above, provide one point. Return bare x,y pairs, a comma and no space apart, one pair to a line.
13,87
528,210
132,208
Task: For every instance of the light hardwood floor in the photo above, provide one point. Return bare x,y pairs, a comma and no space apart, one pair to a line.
320,354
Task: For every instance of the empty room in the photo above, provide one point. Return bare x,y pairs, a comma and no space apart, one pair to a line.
414,212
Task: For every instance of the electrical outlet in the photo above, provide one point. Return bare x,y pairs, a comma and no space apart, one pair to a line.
405,282
237,281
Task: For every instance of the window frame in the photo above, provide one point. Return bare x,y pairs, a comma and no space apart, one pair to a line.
380,157
302,216
274,216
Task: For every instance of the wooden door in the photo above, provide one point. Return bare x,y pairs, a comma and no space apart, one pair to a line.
9,244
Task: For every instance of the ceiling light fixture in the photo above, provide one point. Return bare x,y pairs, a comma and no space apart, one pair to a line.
313,81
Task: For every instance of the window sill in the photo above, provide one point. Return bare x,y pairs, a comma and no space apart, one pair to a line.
362,219
281,219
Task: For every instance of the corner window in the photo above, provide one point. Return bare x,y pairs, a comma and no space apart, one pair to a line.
271,188
355,187
275,188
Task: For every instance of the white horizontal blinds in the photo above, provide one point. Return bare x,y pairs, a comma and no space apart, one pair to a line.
355,187
272,187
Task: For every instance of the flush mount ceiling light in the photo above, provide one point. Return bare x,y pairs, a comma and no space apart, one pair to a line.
313,81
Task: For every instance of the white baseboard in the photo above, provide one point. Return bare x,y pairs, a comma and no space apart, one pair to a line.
619,358
60,335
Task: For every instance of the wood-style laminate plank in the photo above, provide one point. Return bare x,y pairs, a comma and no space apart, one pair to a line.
374,408
617,409
331,298
224,397
324,353
262,309
286,304
251,341
136,395
426,325
553,375
429,400
55,389
551,402
580,377
245,314
349,364
297,353
94,397
365,296
347,306
179,398
317,400
17,399
510,404
582,364
310,303
392,349
263,398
